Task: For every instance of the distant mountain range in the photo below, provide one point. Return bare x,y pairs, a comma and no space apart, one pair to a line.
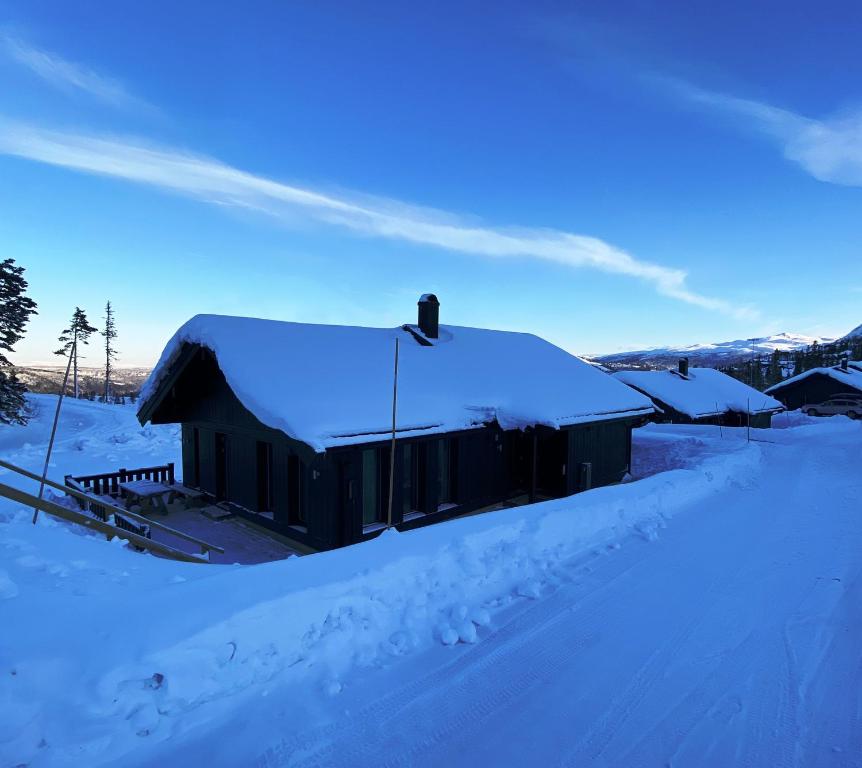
711,355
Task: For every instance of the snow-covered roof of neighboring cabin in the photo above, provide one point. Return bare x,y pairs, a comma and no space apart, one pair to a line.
328,385
852,377
706,392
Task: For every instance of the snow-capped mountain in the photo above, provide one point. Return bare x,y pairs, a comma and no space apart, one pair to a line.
721,353
854,334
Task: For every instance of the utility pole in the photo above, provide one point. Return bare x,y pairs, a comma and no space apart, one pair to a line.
392,448
54,429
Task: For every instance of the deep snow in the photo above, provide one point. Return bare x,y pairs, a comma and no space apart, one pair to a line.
706,614
329,385
705,392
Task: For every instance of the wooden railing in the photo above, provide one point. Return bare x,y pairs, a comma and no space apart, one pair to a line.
103,511
109,520
108,483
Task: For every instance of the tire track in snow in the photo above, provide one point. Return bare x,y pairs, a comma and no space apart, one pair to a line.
461,688
593,743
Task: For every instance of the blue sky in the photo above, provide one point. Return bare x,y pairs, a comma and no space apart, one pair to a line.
608,175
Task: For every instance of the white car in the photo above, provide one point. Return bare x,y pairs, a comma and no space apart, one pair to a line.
839,405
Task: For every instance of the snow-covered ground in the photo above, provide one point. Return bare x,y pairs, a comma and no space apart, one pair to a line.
709,613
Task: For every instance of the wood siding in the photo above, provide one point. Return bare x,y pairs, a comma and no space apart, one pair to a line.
484,466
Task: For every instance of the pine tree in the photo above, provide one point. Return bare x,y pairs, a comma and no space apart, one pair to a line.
773,375
15,311
77,333
109,333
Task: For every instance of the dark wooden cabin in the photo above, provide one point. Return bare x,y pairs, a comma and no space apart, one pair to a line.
818,384
702,396
332,491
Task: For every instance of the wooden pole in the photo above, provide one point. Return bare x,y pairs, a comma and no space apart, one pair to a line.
54,431
748,427
720,430
392,449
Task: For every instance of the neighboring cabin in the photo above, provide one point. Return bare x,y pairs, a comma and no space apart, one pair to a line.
818,384
702,396
291,422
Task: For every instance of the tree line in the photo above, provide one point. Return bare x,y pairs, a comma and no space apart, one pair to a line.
16,309
764,371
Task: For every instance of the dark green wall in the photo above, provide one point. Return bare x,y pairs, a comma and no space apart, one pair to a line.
490,465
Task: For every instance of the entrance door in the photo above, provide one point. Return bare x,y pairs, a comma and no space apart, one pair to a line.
553,454
518,448
264,477
347,507
220,466
196,458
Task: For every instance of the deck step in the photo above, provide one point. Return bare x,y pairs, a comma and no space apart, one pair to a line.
214,512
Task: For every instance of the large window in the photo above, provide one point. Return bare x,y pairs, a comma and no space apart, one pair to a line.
413,468
407,499
371,506
447,472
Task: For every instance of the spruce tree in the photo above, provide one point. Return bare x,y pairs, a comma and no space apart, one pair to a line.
109,333
774,374
77,333
15,311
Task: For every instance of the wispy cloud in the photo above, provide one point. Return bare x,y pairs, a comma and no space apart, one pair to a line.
215,182
66,75
829,149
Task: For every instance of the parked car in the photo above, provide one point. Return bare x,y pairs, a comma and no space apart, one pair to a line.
839,405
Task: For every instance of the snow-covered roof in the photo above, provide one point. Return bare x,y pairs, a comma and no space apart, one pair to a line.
852,377
705,392
328,385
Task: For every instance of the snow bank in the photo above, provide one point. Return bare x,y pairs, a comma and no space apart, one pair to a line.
328,385
113,650
154,640
706,392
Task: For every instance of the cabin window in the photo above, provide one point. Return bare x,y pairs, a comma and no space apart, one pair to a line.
418,473
371,496
295,507
406,480
447,474
264,477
